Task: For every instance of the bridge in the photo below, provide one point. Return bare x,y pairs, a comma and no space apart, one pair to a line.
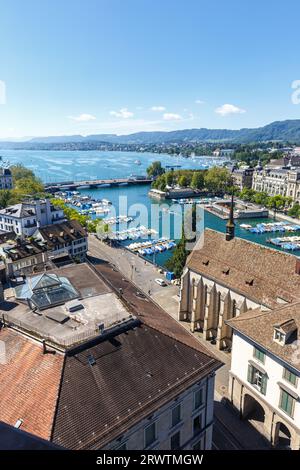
92,184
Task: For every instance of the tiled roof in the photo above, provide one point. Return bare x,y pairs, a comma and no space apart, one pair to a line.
23,249
260,273
130,376
62,233
29,383
259,327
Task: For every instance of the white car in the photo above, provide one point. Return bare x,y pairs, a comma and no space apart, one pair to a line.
160,282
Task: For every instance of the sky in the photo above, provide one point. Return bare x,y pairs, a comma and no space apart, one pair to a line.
123,66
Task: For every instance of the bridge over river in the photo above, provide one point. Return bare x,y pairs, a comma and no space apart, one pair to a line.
74,185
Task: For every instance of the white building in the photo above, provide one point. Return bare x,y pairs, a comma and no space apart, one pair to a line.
274,181
264,381
24,218
6,181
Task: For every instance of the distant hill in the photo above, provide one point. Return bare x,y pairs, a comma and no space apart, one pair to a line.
276,131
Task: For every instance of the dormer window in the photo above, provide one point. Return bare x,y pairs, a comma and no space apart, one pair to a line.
285,331
279,336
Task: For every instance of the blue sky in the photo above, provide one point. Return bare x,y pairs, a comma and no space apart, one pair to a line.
120,66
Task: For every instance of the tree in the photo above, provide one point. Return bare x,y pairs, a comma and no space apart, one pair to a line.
183,181
295,210
217,179
5,197
155,170
169,178
177,262
197,180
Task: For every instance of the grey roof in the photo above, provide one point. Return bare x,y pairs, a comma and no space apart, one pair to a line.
20,210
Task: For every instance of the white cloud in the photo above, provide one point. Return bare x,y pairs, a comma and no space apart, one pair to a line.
158,108
172,117
123,113
227,109
199,102
83,117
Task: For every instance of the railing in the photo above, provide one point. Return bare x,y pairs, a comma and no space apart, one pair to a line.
57,342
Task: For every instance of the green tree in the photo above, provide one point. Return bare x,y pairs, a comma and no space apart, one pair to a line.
5,197
183,181
197,180
217,179
295,210
177,262
155,169
169,178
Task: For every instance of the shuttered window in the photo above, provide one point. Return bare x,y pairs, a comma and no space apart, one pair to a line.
258,379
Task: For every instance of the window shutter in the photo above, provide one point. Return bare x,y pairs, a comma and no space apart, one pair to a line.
264,384
250,373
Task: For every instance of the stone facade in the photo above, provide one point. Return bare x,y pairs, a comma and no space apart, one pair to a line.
283,181
207,304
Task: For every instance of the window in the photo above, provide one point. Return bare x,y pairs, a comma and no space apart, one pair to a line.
289,376
175,441
278,336
259,355
176,415
150,434
197,425
198,445
258,379
286,403
198,399
122,446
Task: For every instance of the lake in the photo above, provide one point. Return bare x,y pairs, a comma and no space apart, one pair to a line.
67,165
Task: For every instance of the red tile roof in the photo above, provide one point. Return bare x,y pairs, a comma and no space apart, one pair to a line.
29,383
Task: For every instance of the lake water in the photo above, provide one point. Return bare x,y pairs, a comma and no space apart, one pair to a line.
68,165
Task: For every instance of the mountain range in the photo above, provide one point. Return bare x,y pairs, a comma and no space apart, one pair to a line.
285,131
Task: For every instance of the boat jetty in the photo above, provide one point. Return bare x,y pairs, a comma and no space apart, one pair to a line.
151,247
287,243
83,203
133,233
271,227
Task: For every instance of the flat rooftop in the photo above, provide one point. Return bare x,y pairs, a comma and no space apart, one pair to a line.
75,321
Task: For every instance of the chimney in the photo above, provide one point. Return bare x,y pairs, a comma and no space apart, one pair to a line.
230,224
297,270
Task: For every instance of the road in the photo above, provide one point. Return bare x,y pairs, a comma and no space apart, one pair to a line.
140,272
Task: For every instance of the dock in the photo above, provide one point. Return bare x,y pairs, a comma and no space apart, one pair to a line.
92,184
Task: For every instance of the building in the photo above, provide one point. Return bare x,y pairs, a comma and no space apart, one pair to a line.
24,218
104,377
65,238
23,257
264,381
225,276
223,152
242,177
6,181
273,181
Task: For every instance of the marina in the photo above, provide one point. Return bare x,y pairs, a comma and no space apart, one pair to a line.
287,243
75,165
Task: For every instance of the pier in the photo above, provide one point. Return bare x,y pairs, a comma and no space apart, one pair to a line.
92,184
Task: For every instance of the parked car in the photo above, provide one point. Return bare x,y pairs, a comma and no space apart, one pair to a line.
160,282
